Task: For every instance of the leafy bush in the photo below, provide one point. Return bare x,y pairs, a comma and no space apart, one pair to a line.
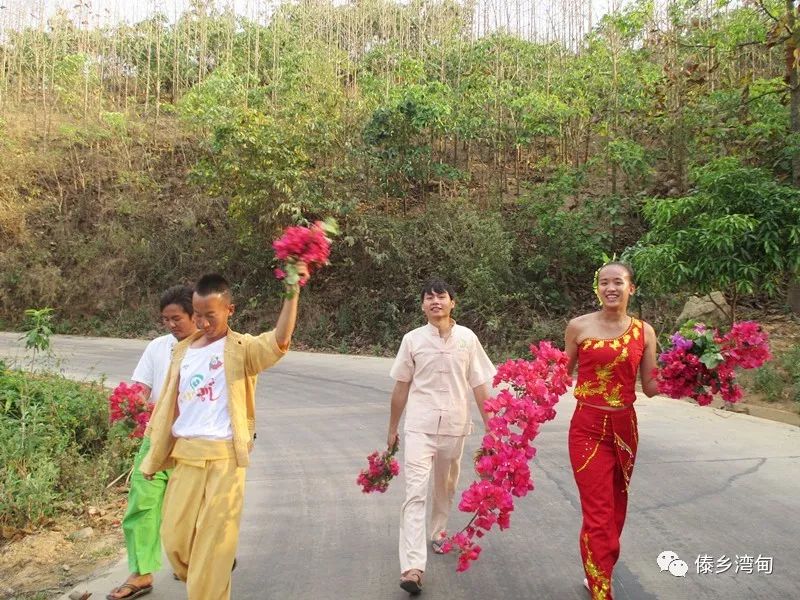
780,378
55,445
769,381
738,232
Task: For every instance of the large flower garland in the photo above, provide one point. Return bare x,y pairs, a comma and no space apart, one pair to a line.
502,461
701,362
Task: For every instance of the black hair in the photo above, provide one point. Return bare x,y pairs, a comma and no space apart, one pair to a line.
180,295
213,283
616,263
437,286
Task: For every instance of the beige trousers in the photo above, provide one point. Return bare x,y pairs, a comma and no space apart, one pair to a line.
423,453
202,509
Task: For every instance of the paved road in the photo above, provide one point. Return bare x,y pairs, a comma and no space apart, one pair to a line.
706,482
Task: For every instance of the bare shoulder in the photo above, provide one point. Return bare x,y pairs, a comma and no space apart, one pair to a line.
578,325
579,322
649,332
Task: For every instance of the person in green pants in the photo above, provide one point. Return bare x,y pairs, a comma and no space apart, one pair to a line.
142,521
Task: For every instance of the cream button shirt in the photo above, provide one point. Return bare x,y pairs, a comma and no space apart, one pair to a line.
442,375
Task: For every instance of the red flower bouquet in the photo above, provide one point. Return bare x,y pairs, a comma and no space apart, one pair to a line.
382,468
127,405
502,462
701,362
311,245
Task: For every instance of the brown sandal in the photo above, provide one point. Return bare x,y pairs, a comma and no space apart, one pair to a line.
411,581
135,591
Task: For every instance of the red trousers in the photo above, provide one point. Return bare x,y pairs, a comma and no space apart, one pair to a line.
602,450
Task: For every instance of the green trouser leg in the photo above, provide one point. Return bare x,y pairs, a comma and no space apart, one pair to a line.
142,521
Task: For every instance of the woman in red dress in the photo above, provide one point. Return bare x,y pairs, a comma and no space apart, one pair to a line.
609,348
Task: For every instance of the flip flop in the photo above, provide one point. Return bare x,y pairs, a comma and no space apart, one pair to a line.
437,546
136,591
412,582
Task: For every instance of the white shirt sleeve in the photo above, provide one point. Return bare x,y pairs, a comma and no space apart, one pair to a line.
481,368
145,369
403,367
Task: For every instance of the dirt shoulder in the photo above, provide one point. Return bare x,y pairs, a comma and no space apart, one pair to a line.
44,563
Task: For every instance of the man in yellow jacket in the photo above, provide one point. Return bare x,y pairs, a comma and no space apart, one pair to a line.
203,425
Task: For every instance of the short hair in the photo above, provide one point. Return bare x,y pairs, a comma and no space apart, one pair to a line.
213,283
180,295
437,286
617,263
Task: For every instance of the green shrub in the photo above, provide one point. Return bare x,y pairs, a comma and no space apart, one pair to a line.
779,379
769,381
55,445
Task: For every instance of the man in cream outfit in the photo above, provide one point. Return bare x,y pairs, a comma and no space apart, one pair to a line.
435,369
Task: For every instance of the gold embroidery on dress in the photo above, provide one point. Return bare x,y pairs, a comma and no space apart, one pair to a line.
600,583
604,374
596,446
589,388
627,470
614,398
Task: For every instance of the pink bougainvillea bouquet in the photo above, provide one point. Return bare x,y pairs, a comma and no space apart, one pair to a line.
701,363
381,468
311,245
502,462
127,405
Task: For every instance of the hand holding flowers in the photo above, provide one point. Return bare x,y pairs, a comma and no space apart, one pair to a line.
701,362
380,471
127,405
303,249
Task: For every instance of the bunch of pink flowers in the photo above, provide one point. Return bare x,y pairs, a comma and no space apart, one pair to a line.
503,460
311,245
128,406
701,363
382,467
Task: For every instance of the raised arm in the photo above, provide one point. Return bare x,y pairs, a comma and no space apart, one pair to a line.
648,364
288,317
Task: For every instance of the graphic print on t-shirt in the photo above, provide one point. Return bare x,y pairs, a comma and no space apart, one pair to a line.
197,391
203,399
206,392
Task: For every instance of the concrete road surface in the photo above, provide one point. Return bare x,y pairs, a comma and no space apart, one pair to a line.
713,487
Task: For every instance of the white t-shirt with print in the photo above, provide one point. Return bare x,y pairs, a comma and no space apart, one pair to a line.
154,364
203,395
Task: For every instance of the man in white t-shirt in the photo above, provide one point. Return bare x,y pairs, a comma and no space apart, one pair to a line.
142,522
438,367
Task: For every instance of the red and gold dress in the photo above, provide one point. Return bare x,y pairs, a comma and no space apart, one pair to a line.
602,447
